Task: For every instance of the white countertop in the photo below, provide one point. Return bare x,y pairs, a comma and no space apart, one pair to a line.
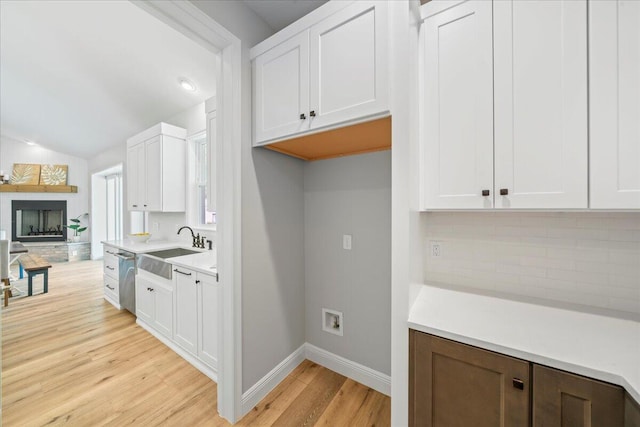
204,262
596,346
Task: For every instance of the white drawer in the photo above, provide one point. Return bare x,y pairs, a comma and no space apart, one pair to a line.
111,288
110,263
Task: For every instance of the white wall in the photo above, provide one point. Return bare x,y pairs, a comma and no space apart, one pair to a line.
272,225
193,119
12,151
589,258
350,195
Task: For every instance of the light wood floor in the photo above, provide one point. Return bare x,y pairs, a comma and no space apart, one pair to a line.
69,357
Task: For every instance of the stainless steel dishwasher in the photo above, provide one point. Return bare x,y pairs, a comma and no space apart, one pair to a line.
127,280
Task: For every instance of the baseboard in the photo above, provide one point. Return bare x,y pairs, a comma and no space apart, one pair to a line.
259,390
195,362
357,372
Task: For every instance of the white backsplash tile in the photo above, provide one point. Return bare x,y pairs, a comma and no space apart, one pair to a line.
587,258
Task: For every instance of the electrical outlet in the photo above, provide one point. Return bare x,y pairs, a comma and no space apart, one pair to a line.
436,249
332,321
346,242
74,253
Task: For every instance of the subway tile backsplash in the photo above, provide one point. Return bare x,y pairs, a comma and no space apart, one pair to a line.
586,258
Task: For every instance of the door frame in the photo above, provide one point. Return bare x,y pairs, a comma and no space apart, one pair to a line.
202,29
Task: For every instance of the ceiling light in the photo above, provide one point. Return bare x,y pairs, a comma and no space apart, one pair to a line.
187,84
26,141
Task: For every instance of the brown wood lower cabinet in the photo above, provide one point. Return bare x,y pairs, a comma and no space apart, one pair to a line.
457,385
564,399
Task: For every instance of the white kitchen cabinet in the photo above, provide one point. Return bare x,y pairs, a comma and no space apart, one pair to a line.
196,307
208,320
281,89
154,304
136,170
156,169
110,276
186,290
614,95
504,125
331,74
540,104
457,107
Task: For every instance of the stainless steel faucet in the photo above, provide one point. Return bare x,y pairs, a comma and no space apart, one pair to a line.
197,241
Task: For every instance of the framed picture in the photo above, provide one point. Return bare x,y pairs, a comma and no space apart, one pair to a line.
53,174
25,174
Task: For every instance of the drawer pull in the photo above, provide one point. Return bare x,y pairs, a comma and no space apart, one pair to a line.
113,289
485,193
110,268
112,253
504,191
518,383
182,272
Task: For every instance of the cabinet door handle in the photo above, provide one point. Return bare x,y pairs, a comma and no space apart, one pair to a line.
112,253
303,117
518,383
110,268
135,206
486,193
197,281
504,191
182,272
312,113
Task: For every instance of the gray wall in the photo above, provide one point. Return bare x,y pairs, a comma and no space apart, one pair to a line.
350,195
272,225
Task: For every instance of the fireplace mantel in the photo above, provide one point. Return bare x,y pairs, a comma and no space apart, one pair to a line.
11,188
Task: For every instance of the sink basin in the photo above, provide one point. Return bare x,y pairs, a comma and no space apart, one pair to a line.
170,253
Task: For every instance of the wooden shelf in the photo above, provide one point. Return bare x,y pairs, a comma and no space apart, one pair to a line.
10,188
360,138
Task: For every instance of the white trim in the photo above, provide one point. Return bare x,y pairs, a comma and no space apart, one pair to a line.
357,372
196,363
200,27
432,8
259,390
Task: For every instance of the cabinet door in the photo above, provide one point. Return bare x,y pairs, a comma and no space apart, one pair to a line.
163,313
563,399
281,89
348,65
540,78
185,288
145,305
614,103
208,312
456,385
135,177
457,113
153,177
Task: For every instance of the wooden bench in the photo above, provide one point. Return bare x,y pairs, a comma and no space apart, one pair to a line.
34,265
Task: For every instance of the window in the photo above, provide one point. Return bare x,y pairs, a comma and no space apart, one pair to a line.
204,216
114,207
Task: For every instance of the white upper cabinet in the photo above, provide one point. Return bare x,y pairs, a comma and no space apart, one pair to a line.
540,89
348,65
614,95
504,105
330,72
457,110
156,169
281,89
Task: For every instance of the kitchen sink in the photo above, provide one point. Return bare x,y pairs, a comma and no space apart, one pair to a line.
170,253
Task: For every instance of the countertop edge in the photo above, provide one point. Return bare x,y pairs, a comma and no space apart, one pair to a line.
563,364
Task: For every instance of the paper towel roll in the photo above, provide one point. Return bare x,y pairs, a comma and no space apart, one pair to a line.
4,259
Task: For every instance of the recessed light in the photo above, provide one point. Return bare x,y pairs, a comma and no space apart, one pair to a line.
26,141
187,84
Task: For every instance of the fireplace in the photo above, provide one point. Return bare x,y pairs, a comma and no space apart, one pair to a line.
38,220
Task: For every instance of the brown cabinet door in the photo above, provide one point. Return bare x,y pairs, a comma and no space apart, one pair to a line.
456,385
631,412
562,399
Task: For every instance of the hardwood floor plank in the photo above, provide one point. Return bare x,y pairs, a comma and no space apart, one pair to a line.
70,358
